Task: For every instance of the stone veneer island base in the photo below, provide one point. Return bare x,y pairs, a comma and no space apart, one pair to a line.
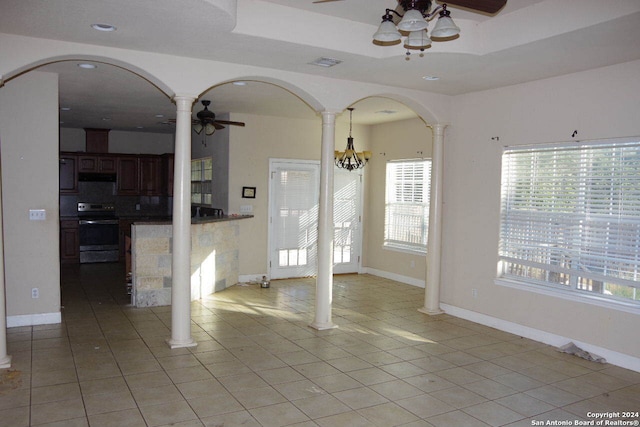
214,259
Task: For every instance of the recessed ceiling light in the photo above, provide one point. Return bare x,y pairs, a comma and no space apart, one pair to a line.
431,78
65,108
103,27
106,119
325,62
240,83
139,127
159,115
87,66
386,112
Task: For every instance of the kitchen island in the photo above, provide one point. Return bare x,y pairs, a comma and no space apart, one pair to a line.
214,258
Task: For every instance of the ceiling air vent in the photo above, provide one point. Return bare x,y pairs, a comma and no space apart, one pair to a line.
325,62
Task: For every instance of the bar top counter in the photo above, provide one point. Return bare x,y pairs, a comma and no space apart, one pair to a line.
214,257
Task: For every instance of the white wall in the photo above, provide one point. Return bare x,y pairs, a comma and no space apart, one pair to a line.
73,139
406,139
602,103
30,181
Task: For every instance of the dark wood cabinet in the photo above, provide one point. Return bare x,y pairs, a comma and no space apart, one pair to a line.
68,173
136,175
150,175
128,175
97,164
167,174
97,140
69,241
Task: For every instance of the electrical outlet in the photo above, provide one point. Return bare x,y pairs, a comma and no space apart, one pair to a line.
413,264
37,214
474,292
35,293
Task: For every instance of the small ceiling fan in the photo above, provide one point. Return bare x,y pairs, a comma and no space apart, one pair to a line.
486,6
206,120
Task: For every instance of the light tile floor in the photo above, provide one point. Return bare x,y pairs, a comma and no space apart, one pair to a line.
259,364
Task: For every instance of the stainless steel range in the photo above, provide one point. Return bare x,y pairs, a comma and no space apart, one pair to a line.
99,232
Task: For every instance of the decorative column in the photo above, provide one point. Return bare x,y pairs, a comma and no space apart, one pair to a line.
324,279
181,233
5,360
434,245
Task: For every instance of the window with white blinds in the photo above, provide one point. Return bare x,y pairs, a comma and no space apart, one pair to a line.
570,218
201,181
407,205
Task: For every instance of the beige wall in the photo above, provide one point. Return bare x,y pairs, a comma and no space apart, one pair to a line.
72,139
406,139
29,152
601,103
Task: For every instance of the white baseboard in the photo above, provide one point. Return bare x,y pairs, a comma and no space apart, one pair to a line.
33,319
393,276
250,278
612,357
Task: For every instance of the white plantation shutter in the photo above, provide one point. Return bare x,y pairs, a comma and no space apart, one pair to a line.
570,217
407,204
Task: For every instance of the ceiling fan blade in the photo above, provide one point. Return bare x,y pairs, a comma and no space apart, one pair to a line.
324,1
217,125
227,122
486,6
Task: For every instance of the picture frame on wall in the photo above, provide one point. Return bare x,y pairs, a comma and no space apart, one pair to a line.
248,192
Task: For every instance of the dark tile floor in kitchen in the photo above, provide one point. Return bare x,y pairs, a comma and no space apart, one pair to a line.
259,364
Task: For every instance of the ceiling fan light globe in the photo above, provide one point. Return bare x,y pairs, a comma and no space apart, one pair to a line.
197,128
387,32
417,40
209,129
445,27
412,21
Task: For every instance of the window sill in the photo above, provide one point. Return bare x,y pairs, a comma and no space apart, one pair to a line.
571,295
404,250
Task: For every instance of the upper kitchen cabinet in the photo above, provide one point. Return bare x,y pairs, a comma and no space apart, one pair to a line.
68,173
150,170
128,175
97,140
98,164
167,174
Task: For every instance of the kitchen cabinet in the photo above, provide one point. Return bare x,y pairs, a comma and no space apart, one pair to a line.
125,231
128,175
69,241
97,140
68,173
167,174
97,164
150,175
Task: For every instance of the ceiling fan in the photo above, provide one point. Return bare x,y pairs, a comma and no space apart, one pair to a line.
486,6
206,120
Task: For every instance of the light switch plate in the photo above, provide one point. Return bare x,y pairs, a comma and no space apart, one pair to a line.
37,214
246,208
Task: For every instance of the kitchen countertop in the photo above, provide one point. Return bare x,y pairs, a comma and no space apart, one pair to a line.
200,220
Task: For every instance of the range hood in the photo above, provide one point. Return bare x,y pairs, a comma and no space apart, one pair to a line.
96,177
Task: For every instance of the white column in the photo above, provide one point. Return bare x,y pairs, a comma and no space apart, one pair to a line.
434,245
181,257
5,360
324,279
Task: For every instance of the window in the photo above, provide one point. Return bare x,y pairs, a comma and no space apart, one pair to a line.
570,218
407,205
201,175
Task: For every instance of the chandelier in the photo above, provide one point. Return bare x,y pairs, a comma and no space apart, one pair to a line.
350,159
413,25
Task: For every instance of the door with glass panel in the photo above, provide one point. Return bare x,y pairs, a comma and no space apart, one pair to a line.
346,220
294,193
294,196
